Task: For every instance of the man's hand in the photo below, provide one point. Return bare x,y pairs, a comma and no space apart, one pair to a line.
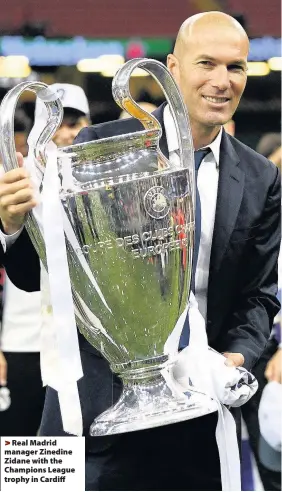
3,370
16,197
234,359
273,370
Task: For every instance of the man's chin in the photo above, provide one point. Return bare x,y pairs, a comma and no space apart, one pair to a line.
213,121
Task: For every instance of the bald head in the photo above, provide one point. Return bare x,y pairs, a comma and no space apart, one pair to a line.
207,23
209,64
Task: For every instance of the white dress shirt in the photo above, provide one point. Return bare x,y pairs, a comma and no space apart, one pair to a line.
21,323
207,186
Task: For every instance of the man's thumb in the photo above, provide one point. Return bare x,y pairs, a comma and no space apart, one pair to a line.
229,362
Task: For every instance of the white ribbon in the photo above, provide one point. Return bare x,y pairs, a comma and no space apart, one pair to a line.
60,357
61,298
193,363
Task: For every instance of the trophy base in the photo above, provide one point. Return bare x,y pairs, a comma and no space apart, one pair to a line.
143,406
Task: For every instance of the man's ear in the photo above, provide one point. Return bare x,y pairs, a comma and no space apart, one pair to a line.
173,66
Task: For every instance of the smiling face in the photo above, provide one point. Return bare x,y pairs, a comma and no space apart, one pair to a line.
209,66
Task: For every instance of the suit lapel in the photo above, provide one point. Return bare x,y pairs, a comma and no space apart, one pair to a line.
229,197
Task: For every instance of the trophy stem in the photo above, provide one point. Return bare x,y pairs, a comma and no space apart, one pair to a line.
146,402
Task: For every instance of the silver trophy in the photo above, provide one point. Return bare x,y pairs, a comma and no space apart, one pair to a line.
131,212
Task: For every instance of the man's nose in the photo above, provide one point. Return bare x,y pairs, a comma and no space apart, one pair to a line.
221,78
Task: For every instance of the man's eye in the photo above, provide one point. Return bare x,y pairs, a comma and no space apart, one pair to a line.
206,63
236,68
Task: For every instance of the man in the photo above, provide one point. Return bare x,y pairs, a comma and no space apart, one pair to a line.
20,336
236,270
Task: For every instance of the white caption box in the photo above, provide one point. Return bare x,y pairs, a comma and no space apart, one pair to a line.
38,462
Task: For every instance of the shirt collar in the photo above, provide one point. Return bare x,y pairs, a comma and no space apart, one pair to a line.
172,141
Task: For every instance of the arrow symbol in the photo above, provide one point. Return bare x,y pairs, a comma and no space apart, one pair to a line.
7,443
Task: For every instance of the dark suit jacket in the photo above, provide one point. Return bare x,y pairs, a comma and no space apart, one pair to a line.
243,268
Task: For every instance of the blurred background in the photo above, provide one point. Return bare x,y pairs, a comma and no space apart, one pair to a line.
85,42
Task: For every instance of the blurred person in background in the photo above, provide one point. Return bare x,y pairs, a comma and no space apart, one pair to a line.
267,367
229,127
76,113
273,370
239,239
20,346
149,107
270,410
20,336
270,418
270,146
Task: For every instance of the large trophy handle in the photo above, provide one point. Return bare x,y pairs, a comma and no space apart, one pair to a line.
161,74
7,141
8,105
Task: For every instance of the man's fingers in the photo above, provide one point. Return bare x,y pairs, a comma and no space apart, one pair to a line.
234,359
16,197
14,175
12,188
229,362
20,196
22,208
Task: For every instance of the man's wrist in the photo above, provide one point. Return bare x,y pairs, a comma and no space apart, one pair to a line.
8,240
10,229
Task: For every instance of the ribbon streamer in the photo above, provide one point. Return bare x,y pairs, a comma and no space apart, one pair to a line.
60,357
